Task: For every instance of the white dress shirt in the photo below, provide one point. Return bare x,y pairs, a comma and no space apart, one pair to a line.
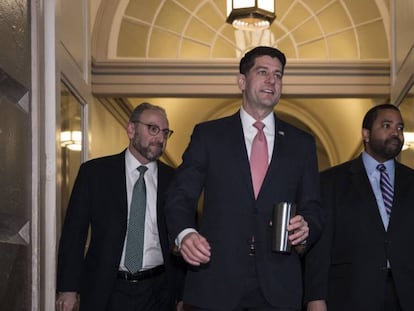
152,247
250,131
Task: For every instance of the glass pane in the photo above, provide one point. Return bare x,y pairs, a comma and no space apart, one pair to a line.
70,142
238,4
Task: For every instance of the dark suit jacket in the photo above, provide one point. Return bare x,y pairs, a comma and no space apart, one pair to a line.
347,267
99,200
216,161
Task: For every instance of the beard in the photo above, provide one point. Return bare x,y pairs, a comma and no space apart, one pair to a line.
386,149
151,152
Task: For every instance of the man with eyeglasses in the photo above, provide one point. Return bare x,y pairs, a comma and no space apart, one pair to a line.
128,265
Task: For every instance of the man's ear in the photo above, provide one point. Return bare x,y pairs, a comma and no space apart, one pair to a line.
241,81
130,129
365,135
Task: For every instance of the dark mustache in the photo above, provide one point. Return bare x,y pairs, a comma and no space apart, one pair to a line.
394,139
156,144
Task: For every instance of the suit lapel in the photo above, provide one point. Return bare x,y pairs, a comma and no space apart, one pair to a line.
402,185
402,190
162,186
118,179
236,143
279,154
362,186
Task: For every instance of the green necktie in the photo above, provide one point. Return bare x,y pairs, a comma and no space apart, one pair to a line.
136,224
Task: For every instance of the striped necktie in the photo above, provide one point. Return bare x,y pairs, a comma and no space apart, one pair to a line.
387,189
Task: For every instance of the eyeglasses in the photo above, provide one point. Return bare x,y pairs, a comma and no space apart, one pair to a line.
154,130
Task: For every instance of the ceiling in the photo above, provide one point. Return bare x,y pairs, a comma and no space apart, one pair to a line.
303,29
133,39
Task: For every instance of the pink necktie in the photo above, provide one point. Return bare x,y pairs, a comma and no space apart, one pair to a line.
259,158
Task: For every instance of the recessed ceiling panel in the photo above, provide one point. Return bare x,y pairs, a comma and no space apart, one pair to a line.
373,43
172,22
200,32
318,5
315,29
132,41
313,49
141,11
308,31
190,47
166,44
211,15
342,45
362,12
334,18
296,16
223,48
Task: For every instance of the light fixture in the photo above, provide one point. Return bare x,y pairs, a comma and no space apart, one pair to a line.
71,140
408,140
250,14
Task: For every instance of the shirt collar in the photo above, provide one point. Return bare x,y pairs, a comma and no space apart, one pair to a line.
131,163
247,121
371,164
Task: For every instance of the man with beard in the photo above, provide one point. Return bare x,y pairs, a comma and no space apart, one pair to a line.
110,276
364,259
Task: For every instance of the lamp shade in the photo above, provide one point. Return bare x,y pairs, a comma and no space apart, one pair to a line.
250,14
71,140
408,140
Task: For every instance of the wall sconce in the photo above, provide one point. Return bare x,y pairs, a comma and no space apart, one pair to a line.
408,140
71,140
250,14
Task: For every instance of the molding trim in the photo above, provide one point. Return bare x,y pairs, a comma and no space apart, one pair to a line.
166,78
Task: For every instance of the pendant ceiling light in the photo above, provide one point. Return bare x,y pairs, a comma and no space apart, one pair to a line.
250,14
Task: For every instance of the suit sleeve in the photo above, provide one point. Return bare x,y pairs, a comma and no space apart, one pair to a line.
74,235
309,194
184,193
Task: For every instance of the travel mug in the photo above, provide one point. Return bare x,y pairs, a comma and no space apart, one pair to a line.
282,213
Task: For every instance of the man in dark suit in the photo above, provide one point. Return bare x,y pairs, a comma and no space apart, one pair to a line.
101,201
232,264
364,259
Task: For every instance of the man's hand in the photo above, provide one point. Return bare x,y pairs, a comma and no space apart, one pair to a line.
317,305
179,306
66,301
299,228
195,249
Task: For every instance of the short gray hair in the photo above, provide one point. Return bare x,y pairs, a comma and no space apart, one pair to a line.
136,113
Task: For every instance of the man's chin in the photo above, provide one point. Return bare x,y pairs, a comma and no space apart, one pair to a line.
393,152
152,156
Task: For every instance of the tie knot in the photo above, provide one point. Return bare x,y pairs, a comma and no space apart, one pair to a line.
381,167
142,169
259,125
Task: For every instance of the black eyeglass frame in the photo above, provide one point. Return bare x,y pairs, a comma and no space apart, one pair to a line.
154,129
